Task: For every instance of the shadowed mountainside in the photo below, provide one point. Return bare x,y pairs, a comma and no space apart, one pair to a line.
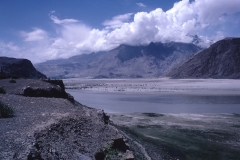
220,60
21,68
124,61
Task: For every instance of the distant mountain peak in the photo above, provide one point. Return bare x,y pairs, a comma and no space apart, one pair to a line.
196,40
200,41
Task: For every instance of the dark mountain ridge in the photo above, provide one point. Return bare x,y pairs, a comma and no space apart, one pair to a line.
220,60
21,68
125,61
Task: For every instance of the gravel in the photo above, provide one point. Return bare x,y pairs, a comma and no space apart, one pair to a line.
50,128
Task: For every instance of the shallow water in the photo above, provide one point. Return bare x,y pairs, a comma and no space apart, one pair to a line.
158,103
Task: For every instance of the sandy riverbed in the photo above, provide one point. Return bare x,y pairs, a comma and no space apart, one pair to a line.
160,85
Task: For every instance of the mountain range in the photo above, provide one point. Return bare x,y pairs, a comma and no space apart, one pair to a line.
125,61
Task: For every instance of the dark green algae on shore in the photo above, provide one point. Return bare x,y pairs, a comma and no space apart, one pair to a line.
184,136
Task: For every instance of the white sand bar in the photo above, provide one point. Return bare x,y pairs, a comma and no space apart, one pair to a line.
158,85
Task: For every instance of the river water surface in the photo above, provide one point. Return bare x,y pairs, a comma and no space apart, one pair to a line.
158,103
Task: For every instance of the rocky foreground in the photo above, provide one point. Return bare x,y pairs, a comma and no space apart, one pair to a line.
49,124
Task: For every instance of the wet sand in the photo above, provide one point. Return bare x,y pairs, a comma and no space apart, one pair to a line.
160,86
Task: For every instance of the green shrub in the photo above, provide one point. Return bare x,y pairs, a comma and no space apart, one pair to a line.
12,81
6,111
109,152
2,91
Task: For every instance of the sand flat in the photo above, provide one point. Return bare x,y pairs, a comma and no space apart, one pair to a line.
158,85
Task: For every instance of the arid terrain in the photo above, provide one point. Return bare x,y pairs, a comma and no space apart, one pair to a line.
54,128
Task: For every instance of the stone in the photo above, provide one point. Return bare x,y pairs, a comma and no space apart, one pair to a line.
129,155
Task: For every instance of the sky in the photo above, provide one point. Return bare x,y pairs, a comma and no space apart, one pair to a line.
42,30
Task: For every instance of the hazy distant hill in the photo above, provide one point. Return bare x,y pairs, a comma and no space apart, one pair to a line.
220,60
22,68
124,61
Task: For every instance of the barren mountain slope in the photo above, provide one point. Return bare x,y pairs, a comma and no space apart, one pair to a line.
220,60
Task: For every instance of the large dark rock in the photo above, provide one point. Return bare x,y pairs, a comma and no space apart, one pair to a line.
21,68
55,90
220,60
125,61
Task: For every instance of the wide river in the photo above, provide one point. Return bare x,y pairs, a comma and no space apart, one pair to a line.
155,103
158,96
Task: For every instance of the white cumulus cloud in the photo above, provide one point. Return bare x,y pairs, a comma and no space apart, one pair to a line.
35,35
207,18
117,21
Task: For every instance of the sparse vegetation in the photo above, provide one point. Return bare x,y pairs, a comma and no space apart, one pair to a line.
2,91
153,114
109,152
12,81
4,75
6,111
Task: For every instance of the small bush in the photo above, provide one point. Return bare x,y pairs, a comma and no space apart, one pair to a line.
12,81
2,91
6,111
109,153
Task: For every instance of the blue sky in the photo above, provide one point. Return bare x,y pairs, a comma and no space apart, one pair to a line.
24,15
48,29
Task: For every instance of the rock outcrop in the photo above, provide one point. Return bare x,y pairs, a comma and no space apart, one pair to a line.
20,68
57,90
220,60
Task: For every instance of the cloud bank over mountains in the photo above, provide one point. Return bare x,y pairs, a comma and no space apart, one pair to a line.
209,19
